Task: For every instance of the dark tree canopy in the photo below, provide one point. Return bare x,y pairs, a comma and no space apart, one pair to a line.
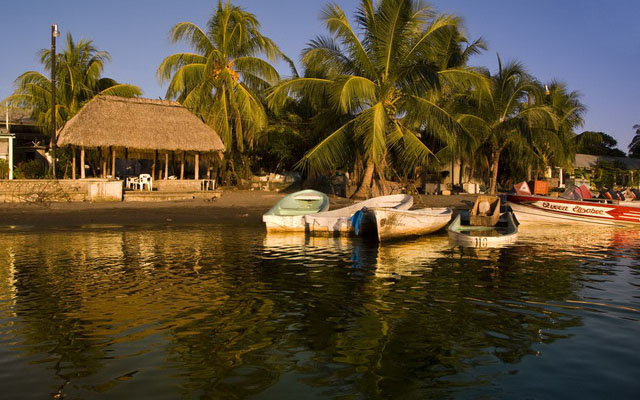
604,146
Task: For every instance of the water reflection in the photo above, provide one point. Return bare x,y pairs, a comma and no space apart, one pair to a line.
229,312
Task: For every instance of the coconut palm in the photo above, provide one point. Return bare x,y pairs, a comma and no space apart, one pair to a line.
503,118
78,70
558,147
386,81
634,146
223,78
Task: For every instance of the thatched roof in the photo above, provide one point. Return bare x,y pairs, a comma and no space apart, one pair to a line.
141,124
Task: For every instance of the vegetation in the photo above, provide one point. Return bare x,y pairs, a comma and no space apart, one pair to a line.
601,144
223,79
634,146
387,83
504,119
78,79
386,95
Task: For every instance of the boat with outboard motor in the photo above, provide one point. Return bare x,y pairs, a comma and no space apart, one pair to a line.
575,205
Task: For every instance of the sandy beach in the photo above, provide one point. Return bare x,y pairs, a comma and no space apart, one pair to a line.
239,206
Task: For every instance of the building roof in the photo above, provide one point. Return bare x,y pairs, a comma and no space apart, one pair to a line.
589,161
142,124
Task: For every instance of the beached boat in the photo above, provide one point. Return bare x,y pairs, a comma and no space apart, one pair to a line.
574,206
463,233
339,221
394,224
288,213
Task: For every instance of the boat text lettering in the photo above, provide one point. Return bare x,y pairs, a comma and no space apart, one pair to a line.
582,210
555,207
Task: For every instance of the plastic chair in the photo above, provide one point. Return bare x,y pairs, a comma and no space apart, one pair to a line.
145,179
131,182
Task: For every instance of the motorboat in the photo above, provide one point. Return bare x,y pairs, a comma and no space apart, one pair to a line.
575,205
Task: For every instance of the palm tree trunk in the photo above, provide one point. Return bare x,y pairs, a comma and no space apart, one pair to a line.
495,163
365,186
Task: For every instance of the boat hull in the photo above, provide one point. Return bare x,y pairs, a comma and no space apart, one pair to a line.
288,214
395,224
541,209
339,221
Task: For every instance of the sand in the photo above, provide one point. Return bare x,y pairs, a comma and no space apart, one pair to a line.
234,206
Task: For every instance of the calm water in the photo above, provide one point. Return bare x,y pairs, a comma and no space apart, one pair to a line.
230,312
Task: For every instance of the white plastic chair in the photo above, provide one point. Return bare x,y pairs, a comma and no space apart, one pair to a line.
131,182
145,179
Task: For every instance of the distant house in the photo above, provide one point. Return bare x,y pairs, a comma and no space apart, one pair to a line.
588,161
29,143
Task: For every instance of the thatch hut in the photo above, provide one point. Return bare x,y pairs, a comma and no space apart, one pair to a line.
142,129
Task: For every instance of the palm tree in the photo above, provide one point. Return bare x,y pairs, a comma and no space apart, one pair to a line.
634,146
223,78
78,69
558,147
503,118
386,83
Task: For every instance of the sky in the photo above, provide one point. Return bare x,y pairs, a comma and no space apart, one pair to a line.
591,45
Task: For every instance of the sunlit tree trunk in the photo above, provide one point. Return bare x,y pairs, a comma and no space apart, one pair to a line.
365,186
495,163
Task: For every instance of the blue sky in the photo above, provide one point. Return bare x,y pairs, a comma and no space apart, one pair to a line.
592,45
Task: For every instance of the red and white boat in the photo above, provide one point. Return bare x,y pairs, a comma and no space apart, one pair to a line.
579,207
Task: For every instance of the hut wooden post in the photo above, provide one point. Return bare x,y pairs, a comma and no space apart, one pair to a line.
197,167
166,166
104,163
153,166
113,162
82,172
73,163
182,166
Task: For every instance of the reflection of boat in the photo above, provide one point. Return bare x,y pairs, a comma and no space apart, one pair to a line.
340,220
463,233
573,207
410,258
392,224
288,213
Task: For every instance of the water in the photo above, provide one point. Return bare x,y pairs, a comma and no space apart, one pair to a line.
230,312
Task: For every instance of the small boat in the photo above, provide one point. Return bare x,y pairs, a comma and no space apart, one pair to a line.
485,225
504,232
576,205
288,213
339,221
394,224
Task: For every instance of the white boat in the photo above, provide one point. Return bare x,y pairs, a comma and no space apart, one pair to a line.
393,223
339,221
288,213
465,234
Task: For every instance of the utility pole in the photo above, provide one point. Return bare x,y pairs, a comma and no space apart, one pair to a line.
52,143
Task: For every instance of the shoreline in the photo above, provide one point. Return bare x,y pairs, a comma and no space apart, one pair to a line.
234,206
